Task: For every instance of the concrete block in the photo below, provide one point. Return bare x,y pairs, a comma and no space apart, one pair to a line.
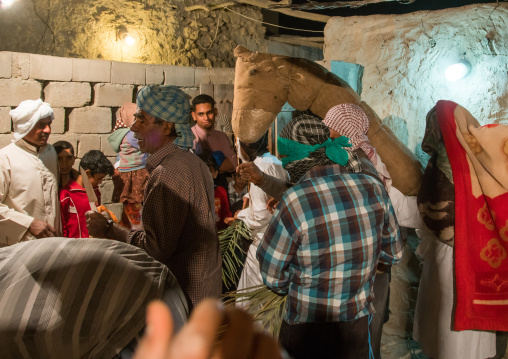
202,76
14,91
191,92
179,76
5,140
106,147
72,139
112,95
155,75
222,76
116,208
5,65
106,188
68,94
5,120
127,73
21,65
87,143
58,124
91,70
91,120
44,67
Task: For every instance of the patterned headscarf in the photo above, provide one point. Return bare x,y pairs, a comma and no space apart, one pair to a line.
310,130
27,114
351,121
170,104
125,116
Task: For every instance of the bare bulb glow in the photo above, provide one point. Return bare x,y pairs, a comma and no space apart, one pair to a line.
128,39
457,71
6,3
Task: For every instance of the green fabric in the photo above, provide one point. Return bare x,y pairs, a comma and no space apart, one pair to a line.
296,151
116,138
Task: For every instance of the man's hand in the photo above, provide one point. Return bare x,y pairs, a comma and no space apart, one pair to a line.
97,224
200,339
250,172
271,204
41,229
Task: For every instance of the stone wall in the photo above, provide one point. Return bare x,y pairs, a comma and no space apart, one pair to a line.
405,57
175,32
86,94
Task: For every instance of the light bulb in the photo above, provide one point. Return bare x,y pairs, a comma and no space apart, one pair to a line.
457,71
129,40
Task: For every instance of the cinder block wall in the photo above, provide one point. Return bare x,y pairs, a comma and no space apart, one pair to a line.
86,94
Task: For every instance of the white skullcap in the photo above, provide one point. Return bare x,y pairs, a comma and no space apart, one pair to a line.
27,114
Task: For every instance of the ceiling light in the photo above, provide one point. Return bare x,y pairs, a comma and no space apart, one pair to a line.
124,36
6,3
458,70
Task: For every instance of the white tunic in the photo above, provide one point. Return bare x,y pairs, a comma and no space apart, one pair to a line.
28,190
257,218
434,308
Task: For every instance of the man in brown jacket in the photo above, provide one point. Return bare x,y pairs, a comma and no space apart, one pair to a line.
179,227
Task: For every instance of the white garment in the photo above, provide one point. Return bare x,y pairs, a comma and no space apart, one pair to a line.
257,218
27,114
28,190
434,308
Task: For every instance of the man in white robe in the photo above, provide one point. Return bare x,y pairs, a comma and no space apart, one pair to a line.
257,216
29,205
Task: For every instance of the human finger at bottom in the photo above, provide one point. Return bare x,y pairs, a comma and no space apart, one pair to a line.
237,341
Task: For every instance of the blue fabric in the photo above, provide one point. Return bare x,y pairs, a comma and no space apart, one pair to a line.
168,103
323,246
296,151
219,158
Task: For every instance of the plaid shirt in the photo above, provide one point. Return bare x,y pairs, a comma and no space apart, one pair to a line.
323,246
179,223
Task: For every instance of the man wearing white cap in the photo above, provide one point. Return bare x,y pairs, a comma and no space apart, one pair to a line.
29,205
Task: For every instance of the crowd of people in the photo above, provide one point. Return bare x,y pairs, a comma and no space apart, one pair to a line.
325,230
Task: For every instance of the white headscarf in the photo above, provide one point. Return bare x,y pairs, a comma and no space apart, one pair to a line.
27,114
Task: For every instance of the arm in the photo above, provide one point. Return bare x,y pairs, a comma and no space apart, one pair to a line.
271,185
406,209
276,251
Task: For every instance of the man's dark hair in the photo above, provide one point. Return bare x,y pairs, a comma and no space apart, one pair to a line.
257,148
96,162
209,160
63,145
202,99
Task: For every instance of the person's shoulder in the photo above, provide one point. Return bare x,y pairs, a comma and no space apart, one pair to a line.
221,190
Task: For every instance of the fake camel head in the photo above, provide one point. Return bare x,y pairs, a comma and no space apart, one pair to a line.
265,82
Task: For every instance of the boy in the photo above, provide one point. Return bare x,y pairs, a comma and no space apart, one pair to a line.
73,199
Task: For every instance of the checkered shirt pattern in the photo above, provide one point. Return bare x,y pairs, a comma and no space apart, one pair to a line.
310,130
179,223
351,121
323,246
168,103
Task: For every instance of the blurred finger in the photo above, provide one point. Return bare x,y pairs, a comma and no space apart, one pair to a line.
265,347
196,339
237,342
159,327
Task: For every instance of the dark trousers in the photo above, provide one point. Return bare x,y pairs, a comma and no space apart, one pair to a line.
381,302
344,340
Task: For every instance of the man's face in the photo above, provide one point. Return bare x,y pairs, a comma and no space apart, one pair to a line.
150,136
66,161
39,135
204,116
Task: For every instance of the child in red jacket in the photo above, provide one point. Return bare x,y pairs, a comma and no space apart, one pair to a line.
73,199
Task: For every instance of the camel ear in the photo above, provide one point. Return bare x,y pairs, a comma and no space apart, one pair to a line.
245,54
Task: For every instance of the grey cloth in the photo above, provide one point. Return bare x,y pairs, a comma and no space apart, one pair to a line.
77,298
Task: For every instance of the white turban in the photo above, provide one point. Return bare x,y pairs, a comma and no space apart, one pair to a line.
27,114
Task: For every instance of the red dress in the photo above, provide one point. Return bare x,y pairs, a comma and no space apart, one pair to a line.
221,207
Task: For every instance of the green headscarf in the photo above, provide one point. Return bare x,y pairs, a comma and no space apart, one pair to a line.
296,151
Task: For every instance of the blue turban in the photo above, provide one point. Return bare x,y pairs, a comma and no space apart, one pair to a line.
170,104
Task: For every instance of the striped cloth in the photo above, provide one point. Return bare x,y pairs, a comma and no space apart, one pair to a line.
170,104
75,298
323,246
